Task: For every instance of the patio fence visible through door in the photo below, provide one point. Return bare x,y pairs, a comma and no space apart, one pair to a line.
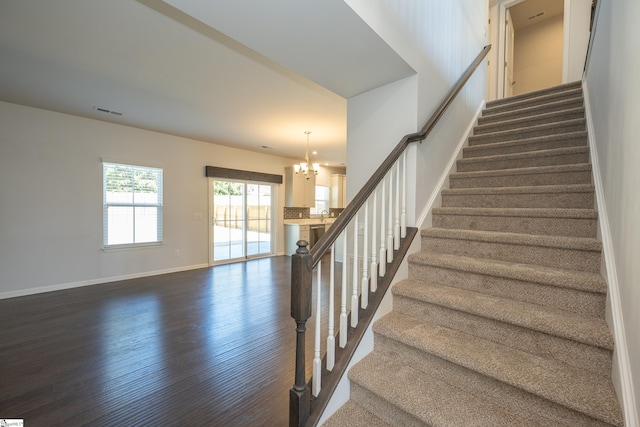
241,220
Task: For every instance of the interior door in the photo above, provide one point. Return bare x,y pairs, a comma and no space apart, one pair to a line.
508,55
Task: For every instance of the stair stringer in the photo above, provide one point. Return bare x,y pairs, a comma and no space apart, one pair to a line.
621,374
343,391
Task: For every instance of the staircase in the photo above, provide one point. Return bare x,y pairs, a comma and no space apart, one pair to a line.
502,319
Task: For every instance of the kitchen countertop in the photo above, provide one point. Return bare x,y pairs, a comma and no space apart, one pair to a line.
309,221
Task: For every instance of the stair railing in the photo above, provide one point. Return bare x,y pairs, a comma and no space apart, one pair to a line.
373,224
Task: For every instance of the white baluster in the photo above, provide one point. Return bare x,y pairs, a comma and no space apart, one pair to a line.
364,300
343,299
396,228
317,362
374,233
331,339
383,251
403,217
354,296
390,225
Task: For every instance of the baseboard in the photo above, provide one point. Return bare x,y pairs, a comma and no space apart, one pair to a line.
621,354
424,219
91,282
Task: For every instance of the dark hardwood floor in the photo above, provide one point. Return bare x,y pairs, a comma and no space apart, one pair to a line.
206,347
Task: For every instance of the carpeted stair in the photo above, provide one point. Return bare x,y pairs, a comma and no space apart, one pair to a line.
502,319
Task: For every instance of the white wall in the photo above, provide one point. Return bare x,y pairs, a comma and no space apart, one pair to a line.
577,16
439,40
51,198
376,121
538,56
613,90
492,57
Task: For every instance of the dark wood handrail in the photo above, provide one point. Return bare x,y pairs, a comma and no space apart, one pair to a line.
304,261
354,206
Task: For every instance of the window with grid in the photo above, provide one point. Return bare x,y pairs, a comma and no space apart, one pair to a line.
322,200
132,205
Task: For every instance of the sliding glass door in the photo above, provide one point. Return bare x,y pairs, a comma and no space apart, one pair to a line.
241,215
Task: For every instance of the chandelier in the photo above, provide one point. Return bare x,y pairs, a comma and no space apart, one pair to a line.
304,166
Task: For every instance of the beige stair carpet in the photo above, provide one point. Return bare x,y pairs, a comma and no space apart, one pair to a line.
502,319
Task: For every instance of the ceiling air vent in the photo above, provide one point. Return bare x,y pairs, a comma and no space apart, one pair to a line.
107,111
536,16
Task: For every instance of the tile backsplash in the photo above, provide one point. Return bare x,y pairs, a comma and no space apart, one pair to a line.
305,213
296,213
334,212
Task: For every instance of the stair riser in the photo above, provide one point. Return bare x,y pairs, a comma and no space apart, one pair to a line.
527,121
580,302
521,180
569,259
542,109
520,162
532,200
381,408
568,227
579,355
513,400
532,132
531,100
525,146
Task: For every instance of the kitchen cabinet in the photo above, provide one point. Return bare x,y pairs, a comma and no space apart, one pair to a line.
311,232
300,190
338,191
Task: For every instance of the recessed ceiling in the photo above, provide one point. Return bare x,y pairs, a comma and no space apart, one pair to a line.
151,65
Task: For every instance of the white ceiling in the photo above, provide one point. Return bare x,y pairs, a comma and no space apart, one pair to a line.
244,73
533,12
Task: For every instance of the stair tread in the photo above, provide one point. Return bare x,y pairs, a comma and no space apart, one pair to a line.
579,280
529,170
578,243
553,321
545,126
527,155
538,189
427,399
519,212
354,415
530,118
555,381
554,92
577,98
526,141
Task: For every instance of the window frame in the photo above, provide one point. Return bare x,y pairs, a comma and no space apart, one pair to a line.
315,211
158,205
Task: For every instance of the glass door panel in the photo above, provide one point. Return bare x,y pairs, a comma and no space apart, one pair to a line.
228,220
258,219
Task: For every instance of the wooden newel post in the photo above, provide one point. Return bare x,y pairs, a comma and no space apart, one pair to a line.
301,289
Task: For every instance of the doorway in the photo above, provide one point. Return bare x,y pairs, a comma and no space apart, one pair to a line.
241,215
531,45
575,18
